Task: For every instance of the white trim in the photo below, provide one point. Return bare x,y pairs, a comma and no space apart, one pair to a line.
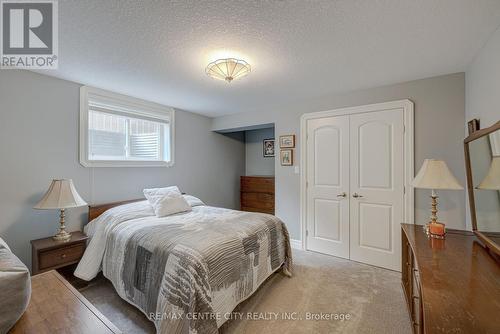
296,244
132,106
408,110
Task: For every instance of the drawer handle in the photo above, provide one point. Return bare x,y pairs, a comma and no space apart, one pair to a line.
63,256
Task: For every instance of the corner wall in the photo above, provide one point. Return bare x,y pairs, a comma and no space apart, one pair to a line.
482,84
255,162
482,88
439,119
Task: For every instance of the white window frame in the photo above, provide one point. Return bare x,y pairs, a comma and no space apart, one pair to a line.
129,106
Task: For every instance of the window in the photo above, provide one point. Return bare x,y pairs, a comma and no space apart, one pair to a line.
120,131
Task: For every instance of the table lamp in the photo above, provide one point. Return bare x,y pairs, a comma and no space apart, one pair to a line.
435,174
61,195
492,178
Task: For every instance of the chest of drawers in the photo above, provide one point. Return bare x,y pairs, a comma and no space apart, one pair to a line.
257,194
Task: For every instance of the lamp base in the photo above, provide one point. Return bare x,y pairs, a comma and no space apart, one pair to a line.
426,228
62,236
434,210
437,230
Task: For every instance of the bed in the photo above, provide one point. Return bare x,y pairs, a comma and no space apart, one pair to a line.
188,271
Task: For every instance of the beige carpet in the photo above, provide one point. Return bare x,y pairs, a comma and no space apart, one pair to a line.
369,299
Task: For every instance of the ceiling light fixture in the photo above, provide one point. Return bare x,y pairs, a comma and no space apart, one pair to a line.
228,69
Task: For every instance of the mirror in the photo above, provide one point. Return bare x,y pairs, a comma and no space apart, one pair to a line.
482,154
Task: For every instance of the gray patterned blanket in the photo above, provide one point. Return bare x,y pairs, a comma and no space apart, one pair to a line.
188,271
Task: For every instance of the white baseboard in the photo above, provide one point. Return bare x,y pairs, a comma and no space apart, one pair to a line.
296,244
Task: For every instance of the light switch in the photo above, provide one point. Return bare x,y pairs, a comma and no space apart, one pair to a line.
297,170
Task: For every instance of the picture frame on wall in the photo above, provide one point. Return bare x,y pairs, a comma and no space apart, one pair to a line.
287,141
286,157
268,148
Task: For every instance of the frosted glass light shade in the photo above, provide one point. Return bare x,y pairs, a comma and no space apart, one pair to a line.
228,69
61,195
492,179
435,174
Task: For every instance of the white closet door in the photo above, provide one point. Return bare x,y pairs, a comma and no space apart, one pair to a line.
328,185
376,183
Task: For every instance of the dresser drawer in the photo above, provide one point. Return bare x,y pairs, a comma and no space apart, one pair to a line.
257,184
257,200
60,256
261,210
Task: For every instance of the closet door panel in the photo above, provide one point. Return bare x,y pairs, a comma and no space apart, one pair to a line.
327,171
376,182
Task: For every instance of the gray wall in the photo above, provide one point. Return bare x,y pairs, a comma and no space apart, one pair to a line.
39,142
255,162
482,86
439,119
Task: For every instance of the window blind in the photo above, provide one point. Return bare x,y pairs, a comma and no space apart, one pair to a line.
116,137
122,131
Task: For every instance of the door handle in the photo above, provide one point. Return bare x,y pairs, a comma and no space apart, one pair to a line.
342,195
356,195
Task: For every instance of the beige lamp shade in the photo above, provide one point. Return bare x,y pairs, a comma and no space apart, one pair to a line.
492,179
61,195
435,174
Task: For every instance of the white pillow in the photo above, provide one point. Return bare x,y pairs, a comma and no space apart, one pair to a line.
166,201
193,201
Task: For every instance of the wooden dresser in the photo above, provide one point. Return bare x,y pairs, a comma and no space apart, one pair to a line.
257,194
451,285
57,308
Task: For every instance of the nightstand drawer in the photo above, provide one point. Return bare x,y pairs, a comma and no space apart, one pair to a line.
55,257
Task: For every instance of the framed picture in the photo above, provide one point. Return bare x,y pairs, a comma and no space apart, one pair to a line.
286,157
268,148
287,141
473,125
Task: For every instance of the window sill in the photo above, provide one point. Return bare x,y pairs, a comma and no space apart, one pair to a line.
95,163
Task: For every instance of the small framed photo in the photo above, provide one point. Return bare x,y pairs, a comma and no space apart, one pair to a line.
287,141
286,157
268,148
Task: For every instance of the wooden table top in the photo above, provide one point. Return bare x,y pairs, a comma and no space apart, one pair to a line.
460,282
49,243
57,307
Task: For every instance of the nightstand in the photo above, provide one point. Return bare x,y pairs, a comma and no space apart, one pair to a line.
48,254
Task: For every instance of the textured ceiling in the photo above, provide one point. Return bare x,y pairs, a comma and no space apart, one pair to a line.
158,50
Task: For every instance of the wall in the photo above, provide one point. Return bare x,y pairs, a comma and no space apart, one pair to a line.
482,85
439,119
255,162
39,141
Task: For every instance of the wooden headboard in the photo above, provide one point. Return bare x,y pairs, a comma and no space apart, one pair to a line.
97,210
